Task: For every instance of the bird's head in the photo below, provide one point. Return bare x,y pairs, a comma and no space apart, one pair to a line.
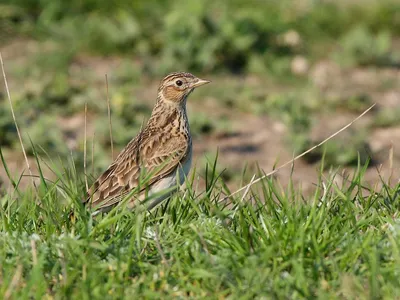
175,87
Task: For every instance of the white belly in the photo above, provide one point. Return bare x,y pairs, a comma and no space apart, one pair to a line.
175,179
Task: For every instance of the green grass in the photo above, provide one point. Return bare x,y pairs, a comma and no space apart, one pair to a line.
207,36
341,242
274,243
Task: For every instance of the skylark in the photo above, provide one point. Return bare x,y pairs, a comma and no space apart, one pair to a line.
163,149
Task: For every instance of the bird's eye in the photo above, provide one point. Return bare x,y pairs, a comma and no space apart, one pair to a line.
179,82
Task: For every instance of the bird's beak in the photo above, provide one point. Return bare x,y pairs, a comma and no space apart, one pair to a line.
199,82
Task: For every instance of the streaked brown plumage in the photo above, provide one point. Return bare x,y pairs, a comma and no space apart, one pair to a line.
163,149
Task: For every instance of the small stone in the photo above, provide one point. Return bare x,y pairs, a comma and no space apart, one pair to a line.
299,65
292,38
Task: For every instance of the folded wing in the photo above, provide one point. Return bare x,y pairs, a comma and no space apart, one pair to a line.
151,152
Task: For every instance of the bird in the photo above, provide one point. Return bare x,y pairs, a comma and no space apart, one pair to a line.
162,149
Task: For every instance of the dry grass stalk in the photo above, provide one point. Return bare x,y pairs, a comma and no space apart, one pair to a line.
290,162
85,150
109,120
16,124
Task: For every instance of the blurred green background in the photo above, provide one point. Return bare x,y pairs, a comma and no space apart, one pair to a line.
285,75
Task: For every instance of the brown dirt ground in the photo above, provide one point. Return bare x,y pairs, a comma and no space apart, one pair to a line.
260,139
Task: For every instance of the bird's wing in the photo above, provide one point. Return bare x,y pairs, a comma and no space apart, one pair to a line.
153,152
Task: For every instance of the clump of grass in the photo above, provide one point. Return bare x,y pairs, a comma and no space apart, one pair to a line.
387,117
270,242
361,47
